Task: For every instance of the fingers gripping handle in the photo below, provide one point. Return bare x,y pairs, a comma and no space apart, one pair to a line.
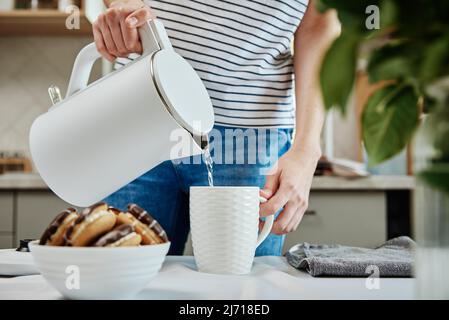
153,37
267,226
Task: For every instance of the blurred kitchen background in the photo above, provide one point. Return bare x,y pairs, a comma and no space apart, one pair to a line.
350,203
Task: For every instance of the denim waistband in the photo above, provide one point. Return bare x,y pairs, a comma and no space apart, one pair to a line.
260,146
288,131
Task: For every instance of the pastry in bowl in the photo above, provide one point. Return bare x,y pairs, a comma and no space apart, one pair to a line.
150,230
111,259
121,236
102,225
54,234
92,223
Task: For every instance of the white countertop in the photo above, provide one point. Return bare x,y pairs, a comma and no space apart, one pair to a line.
271,278
19,181
26,181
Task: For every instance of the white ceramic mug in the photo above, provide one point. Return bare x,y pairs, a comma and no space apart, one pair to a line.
224,224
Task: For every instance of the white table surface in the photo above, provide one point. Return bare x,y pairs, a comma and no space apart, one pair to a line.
271,278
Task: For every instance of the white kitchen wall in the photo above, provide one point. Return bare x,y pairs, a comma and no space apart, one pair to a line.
28,66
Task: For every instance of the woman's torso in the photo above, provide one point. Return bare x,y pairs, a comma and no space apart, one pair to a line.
241,51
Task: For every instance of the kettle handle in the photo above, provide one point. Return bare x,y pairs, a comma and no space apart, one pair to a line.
152,35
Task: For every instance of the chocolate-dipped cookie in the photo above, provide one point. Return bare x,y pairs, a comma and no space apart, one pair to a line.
144,224
54,234
91,224
122,236
114,210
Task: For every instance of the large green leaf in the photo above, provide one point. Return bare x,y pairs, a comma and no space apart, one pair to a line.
338,71
435,62
389,119
389,12
418,19
394,61
440,132
352,14
436,176
321,6
354,7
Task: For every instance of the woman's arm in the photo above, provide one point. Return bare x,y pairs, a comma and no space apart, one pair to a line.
289,184
312,39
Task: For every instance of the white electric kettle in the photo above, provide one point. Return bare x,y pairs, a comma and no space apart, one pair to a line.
105,135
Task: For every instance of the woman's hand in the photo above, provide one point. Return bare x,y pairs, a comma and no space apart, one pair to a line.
115,31
288,187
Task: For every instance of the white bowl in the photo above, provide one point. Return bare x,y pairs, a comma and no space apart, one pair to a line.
99,273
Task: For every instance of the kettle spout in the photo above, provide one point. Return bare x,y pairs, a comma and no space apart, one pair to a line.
201,141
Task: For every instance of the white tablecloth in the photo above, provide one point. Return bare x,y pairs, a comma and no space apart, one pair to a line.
271,278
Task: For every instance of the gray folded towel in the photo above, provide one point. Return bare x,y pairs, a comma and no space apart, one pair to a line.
394,258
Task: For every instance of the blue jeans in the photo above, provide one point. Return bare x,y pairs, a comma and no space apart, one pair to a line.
241,158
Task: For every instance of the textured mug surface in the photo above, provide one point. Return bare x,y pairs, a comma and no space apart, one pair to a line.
224,224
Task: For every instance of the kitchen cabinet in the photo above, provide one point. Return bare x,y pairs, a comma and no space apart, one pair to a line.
6,212
35,209
6,219
350,218
347,218
361,212
6,241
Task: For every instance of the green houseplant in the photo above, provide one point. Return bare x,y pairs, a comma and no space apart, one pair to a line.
411,50
408,49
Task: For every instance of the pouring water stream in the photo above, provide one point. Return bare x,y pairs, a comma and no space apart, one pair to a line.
209,166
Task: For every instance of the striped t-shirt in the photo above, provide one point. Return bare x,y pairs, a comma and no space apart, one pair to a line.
241,49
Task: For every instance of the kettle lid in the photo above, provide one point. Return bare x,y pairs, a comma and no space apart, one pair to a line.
183,92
